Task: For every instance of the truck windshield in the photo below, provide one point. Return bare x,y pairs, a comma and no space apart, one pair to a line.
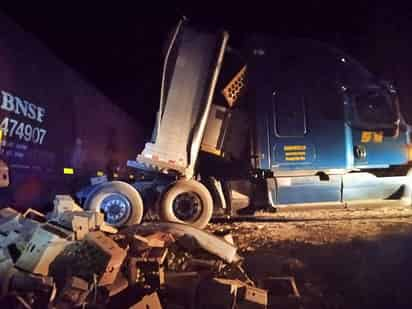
375,106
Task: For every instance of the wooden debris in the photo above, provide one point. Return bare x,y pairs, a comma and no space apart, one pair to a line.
99,268
150,301
119,284
112,250
74,292
160,239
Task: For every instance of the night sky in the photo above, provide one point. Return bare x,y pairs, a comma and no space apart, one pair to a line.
118,47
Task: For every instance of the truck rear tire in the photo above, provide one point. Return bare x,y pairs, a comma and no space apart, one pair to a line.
120,202
187,201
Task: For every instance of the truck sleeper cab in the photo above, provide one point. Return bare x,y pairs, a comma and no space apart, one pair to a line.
294,122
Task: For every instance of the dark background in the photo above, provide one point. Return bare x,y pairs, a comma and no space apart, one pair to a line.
118,47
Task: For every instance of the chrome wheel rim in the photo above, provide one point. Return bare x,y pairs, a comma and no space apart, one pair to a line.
116,208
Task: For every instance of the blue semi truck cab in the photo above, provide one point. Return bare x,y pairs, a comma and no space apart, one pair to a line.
326,128
275,124
327,108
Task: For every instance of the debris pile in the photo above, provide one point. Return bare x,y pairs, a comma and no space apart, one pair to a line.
71,258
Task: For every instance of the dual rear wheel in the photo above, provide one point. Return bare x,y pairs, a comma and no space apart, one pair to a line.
186,201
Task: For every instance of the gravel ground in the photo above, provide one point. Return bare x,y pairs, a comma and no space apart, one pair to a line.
351,258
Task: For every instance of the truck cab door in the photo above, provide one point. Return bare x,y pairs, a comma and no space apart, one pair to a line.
288,129
289,114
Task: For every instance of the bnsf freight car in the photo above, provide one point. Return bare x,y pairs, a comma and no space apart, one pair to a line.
56,130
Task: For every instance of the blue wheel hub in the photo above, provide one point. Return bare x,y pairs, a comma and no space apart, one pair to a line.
117,209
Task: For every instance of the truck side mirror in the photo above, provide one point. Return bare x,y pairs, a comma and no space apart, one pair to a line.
4,175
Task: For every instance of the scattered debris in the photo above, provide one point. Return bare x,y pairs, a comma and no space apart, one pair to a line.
227,293
41,250
206,241
150,301
115,255
75,291
71,258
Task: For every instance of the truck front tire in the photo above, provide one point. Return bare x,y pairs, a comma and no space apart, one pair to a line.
120,202
187,201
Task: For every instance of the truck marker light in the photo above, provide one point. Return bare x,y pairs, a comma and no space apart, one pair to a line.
115,175
68,171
